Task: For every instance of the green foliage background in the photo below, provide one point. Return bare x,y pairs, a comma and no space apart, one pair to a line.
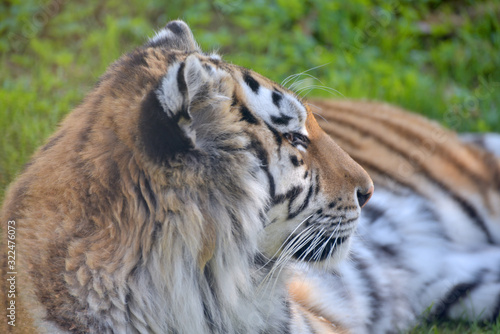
439,58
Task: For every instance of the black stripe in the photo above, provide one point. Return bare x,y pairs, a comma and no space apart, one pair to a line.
237,227
272,185
261,154
468,209
293,193
146,190
376,300
181,81
127,306
208,68
247,116
318,185
453,298
277,97
281,120
251,82
388,250
215,61
276,134
290,194
215,325
263,218
302,206
295,161
147,193
235,101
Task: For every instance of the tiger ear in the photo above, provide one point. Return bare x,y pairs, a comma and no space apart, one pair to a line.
171,113
187,88
176,35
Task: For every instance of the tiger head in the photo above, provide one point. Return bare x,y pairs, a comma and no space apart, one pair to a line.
175,180
204,107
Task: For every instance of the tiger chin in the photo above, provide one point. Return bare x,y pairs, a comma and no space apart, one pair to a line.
173,200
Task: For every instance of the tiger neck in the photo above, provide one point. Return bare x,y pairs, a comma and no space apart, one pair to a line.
233,294
235,290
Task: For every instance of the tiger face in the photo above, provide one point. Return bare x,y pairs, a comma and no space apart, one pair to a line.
314,189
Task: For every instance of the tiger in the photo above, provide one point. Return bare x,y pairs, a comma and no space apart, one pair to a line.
190,195
172,200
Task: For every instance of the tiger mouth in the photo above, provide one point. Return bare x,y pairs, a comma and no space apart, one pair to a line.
318,249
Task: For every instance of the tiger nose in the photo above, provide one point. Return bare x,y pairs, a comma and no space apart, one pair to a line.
364,195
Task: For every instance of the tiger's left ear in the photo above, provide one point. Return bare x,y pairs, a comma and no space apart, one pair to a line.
176,35
186,99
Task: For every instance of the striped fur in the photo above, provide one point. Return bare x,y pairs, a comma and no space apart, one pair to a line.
174,200
428,241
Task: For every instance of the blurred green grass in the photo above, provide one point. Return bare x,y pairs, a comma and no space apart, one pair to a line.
438,58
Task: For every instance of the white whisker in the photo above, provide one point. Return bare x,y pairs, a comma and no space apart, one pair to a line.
301,73
320,251
297,84
292,251
315,241
321,117
284,242
287,252
323,88
336,238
